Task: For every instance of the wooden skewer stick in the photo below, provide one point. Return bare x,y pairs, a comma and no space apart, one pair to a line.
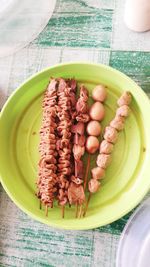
63,211
40,204
87,203
77,206
85,183
46,211
87,171
76,171
80,211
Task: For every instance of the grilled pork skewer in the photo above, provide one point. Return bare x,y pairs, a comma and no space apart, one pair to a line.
66,101
75,191
47,177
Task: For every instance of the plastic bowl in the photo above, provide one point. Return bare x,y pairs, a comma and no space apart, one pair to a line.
134,245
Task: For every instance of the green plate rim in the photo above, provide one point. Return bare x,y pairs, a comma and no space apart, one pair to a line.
132,205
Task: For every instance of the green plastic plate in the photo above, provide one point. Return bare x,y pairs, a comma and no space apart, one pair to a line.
128,177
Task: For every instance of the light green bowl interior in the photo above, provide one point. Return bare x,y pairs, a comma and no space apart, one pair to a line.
127,179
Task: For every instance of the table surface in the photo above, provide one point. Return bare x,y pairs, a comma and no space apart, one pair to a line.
89,30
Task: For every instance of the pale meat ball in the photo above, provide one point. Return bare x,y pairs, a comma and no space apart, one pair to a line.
106,147
93,128
123,111
103,160
125,99
110,134
99,93
93,185
118,123
97,111
92,144
98,173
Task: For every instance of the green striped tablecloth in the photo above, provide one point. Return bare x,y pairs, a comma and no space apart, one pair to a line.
90,30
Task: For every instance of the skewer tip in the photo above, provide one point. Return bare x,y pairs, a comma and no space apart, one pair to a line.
80,212
46,211
87,171
63,211
76,213
40,205
87,203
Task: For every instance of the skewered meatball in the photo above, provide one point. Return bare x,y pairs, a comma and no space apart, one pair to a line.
98,173
97,111
118,123
123,111
92,144
110,134
103,160
93,185
99,93
93,128
106,147
125,99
